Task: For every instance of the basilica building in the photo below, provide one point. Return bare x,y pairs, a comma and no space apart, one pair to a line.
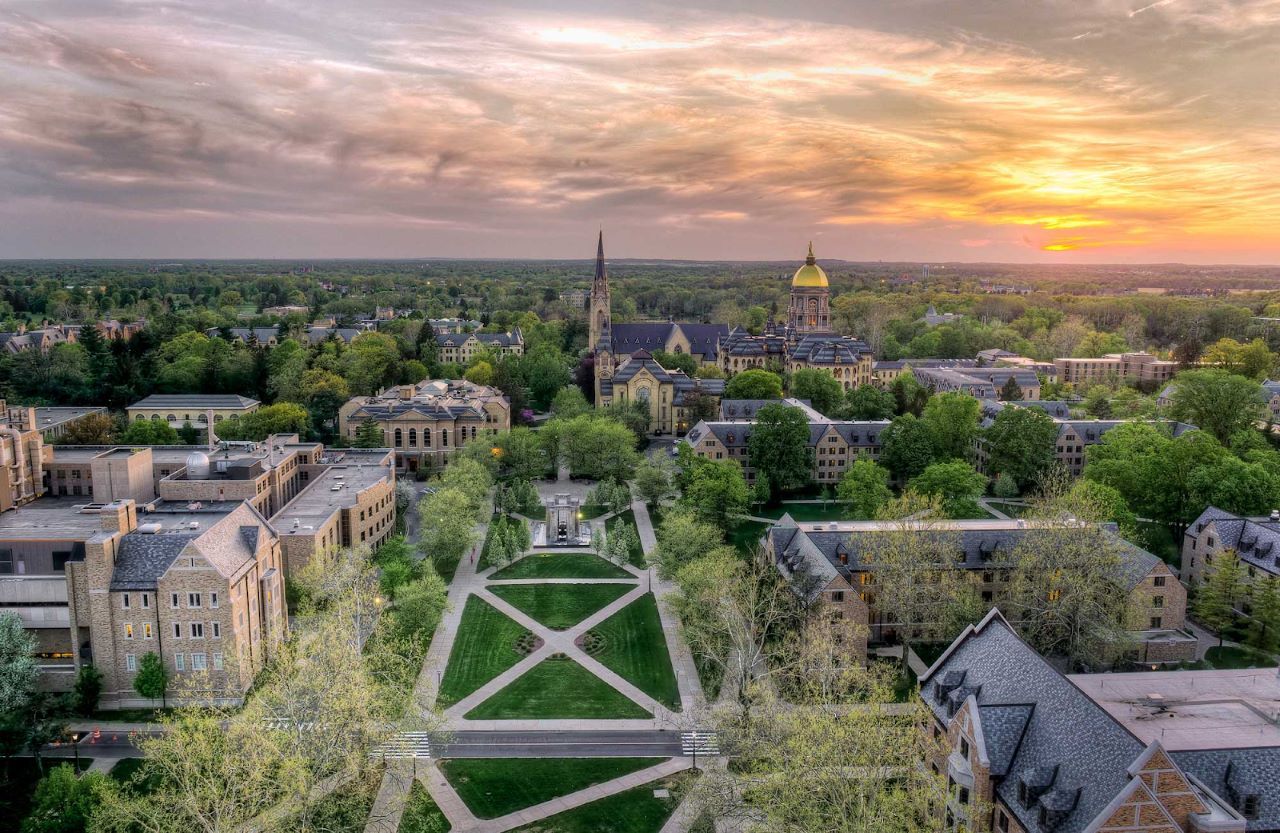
625,369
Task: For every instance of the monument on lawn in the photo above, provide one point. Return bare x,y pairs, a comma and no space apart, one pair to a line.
562,521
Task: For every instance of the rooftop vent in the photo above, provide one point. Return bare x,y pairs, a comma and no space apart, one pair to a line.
149,529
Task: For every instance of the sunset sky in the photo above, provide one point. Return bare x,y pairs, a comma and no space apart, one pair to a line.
1067,131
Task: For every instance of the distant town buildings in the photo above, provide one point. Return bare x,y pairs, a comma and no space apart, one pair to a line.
46,338
933,318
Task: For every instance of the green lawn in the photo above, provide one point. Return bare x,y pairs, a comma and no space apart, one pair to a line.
484,648
633,811
746,535
421,815
628,518
561,565
557,688
18,779
560,606
587,511
1228,656
833,511
635,649
133,771
493,787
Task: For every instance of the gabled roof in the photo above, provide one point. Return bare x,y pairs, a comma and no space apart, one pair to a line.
195,400
229,543
1255,540
1236,773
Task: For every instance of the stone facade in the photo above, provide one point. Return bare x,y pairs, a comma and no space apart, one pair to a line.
180,409
1134,368
835,444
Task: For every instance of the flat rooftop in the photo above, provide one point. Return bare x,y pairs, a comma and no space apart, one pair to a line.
50,518
172,514
1192,709
334,488
992,525
176,454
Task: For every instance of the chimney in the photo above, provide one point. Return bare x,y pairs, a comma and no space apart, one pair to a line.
120,516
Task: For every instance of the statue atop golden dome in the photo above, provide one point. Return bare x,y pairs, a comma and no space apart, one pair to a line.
811,273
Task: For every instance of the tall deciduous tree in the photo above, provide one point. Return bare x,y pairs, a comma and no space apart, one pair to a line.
717,490
1220,592
906,446
822,390
1216,401
955,483
779,447
952,419
1020,443
868,402
754,384
865,488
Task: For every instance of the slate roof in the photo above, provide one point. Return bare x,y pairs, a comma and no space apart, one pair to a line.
228,543
1236,773
1057,409
704,339
262,334
736,434
982,548
1256,542
1002,729
742,344
1063,729
745,409
824,349
384,409
317,335
683,384
195,400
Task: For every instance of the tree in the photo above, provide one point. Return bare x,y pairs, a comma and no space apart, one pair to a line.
779,447
522,454
151,681
682,538
1010,391
468,476
369,364
952,420
599,448
717,490
1221,590
1005,486
91,429
88,688
280,418
1265,634
148,432
906,446
865,488
822,390
323,393
369,435
447,519
654,480
754,384
569,403
700,406
18,668
683,362
869,402
479,373
1253,360
64,801
1020,442
545,371
956,484
1217,401
909,394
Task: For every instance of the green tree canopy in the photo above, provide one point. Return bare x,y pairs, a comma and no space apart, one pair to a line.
865,487
1217,401
906,446
779,447
823,390
716,490
868,402
754,384
955,483
148,432
952,420
1020,442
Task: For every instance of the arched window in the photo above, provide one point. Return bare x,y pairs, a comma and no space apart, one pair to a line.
426,437
413,437
399,438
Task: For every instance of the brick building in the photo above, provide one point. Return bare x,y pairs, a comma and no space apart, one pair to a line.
1142,369
1255,541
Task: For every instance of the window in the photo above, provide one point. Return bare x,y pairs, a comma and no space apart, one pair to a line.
1156,622
128,630
193,600
1002,822
217,630
6,562
837,596
179,662
1157,601
177,630
197,662
197,630
60,559
964,748
146,600
964,795
1158,581
213,600
217,662
130,662
146,630
1250,809
124,601
173,599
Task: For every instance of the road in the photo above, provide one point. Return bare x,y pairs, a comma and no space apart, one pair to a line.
640,743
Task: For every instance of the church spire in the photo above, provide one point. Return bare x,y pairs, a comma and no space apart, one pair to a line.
600,275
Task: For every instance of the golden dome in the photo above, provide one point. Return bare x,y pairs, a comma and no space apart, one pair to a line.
810,274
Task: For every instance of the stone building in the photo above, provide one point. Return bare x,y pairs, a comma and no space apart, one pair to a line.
1141,369
203,588
834,444
1255,541
828,561
1026,750
178,409
669,394
460,348
428,422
